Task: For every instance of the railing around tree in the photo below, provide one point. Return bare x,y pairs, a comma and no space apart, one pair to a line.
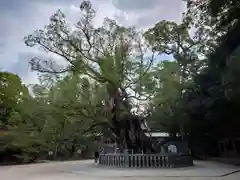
146,160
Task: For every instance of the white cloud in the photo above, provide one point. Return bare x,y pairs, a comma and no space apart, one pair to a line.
143,13
19,25
20,19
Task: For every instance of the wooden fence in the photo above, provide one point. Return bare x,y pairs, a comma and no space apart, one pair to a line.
146,160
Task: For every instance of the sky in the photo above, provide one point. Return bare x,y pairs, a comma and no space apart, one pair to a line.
18,18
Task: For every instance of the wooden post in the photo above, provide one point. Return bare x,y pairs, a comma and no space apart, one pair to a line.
126,158
234,146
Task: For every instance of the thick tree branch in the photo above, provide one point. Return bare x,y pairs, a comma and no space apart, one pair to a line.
35,65
104,124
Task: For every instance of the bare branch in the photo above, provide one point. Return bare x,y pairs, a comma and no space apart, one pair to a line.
79,50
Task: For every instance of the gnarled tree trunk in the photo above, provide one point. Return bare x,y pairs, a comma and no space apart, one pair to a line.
126,127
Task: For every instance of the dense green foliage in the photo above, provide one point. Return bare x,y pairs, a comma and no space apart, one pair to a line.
31,126
109,73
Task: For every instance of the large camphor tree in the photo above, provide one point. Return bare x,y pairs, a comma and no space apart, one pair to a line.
113,58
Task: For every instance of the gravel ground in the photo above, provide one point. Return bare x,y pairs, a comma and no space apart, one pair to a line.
75,170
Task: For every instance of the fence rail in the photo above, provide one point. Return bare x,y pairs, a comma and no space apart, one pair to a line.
146,160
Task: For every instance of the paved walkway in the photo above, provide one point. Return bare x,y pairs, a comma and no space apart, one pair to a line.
86,170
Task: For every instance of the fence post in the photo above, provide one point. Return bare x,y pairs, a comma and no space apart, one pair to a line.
126,158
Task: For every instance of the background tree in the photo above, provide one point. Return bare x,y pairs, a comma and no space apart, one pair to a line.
223,16
15,135
12,94
204,79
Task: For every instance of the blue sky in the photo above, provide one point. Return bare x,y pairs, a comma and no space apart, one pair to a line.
19,18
